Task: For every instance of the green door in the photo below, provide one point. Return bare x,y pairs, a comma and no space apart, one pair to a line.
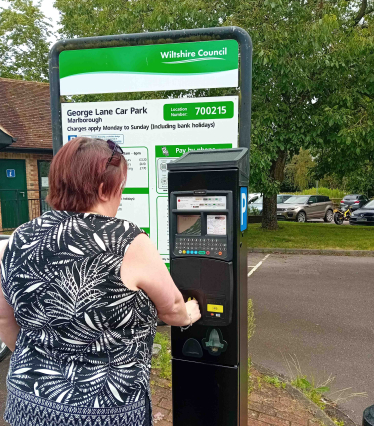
13,193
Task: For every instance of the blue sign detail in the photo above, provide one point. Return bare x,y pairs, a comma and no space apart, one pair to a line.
10,173
243,208
70,137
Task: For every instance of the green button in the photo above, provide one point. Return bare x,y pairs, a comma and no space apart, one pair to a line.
201,252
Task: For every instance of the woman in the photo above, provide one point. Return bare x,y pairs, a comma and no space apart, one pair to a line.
80,294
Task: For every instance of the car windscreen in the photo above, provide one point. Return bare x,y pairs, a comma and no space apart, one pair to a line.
369,205
350,197
258,201
297,200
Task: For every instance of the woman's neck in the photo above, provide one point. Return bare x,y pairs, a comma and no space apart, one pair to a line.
99,209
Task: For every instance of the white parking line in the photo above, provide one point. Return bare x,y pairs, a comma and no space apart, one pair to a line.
254,268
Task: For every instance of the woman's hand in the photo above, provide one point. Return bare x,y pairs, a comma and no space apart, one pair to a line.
193,310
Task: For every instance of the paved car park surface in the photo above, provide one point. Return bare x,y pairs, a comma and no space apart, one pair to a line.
319,309
4,365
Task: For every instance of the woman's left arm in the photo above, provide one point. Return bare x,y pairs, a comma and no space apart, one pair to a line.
8,326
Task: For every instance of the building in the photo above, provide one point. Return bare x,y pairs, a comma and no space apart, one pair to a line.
25,150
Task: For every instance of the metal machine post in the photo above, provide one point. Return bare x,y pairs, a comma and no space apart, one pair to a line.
208,261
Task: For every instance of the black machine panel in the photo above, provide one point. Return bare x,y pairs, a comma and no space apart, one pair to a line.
210,282
201,224
210,402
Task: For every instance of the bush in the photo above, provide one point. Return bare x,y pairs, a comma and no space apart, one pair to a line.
332,193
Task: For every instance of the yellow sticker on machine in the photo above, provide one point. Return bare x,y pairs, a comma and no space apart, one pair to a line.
215,308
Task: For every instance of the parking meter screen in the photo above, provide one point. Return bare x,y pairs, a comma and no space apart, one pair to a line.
189,224
216,224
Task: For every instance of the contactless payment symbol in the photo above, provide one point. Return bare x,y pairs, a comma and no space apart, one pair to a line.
165,151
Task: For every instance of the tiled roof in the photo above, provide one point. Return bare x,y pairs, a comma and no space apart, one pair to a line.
26,114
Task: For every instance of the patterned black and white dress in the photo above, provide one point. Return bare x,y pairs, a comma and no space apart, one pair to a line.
83,354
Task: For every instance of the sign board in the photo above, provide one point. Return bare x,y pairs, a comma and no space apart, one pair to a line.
10,173
153,132
243,208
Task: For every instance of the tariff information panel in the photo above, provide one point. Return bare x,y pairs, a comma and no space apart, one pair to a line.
201,203
153,133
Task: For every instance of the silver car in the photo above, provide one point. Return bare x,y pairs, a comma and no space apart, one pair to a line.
304,207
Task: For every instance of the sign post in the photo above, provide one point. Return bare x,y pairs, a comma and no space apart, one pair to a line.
100,88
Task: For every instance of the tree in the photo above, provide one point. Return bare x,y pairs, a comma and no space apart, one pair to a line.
24,46
83,18
299,170
305,92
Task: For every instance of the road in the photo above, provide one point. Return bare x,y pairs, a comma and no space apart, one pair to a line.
319,310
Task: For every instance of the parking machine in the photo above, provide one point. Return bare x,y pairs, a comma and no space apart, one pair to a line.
208,193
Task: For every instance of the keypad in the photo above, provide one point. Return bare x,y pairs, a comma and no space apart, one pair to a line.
201,246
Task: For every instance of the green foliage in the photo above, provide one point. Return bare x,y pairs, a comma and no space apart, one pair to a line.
299,171
162,361
274,381
250,331
310,390
102,17
332,193
24,46
253,211
338,422
250,319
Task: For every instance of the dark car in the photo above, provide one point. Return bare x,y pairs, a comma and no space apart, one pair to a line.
356,201
364,215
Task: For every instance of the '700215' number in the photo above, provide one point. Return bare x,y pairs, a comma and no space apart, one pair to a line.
210,110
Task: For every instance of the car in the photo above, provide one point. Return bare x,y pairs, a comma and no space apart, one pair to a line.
258,203
304,207
364,215
356,201
281,198
253,197
4,350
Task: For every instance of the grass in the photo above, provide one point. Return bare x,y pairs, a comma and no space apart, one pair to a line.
320,236
274,381
315,391
250,331
162,362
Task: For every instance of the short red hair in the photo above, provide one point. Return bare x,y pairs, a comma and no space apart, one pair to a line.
77,171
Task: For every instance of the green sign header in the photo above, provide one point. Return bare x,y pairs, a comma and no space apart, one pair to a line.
151,67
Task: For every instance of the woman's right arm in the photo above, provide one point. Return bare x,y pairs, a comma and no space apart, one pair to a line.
143,268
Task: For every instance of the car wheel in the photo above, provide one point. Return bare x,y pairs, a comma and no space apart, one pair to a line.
329,216
4,350
301,217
